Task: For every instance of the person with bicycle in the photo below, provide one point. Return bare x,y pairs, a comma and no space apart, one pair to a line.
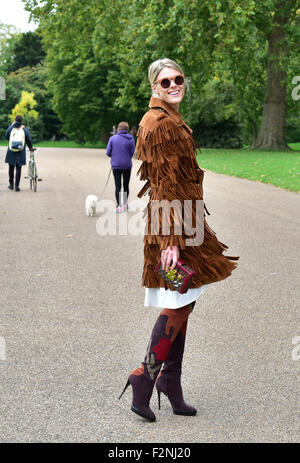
18,136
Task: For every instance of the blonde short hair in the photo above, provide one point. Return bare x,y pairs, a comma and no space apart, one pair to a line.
158,65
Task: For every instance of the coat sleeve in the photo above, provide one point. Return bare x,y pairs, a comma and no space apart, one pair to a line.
109,148
7,133
160,149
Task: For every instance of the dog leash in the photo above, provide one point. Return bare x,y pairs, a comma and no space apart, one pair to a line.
105,186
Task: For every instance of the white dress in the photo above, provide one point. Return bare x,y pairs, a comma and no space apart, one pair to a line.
167,299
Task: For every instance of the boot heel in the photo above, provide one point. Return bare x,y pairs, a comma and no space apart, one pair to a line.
158,398
126,386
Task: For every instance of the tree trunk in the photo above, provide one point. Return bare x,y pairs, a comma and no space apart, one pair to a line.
254,127
272,130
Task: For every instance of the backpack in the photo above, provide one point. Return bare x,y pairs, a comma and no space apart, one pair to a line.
17,139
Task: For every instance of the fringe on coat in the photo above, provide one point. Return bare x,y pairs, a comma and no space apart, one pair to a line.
167,149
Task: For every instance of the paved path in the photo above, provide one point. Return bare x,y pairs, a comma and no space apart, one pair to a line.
73,324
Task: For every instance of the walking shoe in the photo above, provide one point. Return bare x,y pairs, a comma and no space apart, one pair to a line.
11,186
118,209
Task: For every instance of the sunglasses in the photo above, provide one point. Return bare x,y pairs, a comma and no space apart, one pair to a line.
165,83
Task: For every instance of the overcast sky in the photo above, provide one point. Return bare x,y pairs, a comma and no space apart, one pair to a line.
12,12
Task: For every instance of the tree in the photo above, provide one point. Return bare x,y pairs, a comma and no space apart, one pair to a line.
26,50
14,85
146,30
273,23
32,80
22,68
247,42
8,36
79,81
247,46
25,108
272,132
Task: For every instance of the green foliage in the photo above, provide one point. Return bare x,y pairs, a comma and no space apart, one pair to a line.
21,65
25,108
81,84
18,50
26,50
8,37
49,125
225,134
30,80
13,93
147,30
98,53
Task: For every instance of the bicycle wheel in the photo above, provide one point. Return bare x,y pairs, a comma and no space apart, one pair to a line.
31,173
35,177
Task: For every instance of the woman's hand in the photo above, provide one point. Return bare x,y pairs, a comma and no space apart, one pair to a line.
168,257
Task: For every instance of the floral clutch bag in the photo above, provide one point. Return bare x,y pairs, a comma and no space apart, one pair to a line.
180,278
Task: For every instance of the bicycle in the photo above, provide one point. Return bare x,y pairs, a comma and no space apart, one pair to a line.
32,171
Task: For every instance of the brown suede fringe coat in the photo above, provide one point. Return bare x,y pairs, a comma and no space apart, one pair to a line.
168,150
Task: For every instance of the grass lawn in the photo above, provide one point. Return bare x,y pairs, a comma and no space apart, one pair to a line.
279,168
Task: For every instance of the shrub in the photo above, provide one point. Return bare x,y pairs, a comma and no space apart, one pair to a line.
226,134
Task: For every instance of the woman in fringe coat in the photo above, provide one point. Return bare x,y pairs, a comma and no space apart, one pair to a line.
168,150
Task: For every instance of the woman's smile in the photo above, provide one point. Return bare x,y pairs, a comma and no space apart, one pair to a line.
173,94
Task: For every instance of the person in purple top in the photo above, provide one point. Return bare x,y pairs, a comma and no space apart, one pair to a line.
120,149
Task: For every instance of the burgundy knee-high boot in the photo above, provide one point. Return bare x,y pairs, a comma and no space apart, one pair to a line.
169,380
143,378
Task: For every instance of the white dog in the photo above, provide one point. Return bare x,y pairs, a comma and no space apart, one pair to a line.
90,205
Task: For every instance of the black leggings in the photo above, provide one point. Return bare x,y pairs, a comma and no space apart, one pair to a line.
118,174
11,174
